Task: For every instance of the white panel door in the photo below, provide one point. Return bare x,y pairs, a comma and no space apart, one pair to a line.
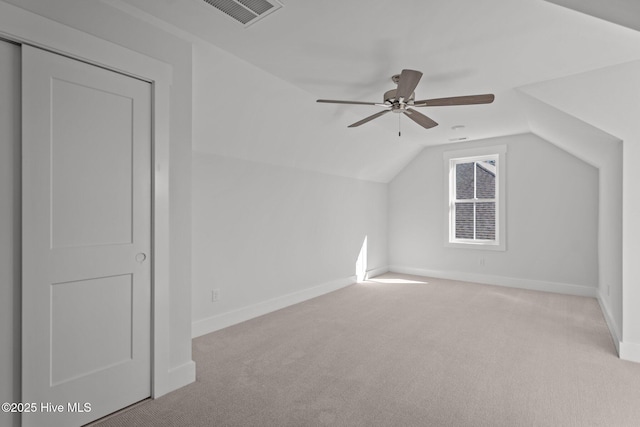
86,240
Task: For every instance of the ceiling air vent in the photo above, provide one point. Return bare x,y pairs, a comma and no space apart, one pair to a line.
246,12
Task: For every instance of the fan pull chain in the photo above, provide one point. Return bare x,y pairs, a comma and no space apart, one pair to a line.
399,128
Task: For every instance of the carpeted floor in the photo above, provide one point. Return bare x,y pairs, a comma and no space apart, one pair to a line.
408,351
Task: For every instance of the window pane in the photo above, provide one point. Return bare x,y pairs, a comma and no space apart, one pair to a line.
464,181
486,176
464,220
486,221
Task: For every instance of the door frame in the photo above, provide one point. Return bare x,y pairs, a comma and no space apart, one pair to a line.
24,27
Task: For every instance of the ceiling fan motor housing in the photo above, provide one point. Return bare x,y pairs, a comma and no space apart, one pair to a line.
391,99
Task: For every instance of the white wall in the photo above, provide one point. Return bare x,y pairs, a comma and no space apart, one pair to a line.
267,236
552,220
10,229
607,98
279,215
604,152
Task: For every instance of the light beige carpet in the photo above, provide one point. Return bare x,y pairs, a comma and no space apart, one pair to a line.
408,351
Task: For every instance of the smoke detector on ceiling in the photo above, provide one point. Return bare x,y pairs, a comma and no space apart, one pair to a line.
246,12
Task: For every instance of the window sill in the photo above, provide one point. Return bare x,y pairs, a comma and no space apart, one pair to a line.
493,246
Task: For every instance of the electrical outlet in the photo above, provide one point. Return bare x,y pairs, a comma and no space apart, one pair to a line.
215,295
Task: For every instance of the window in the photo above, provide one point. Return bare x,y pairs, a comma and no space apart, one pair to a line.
475,209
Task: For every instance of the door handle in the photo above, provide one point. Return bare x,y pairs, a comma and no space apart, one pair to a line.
141,257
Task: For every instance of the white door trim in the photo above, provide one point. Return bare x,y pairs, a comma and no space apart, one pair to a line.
25,27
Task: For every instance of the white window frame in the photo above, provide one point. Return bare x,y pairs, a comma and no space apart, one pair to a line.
451,159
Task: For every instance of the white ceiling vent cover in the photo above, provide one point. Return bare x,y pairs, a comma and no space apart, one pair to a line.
246,12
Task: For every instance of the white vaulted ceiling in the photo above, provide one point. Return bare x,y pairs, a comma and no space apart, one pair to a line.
349,49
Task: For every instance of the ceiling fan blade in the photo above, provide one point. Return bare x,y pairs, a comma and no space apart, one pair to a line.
407,84
420,118
456,100
368,119
333,101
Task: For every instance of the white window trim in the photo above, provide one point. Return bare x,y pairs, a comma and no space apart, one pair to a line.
458,156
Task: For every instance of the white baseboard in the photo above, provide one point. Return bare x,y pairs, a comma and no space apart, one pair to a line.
377,271
220,321
182,375
626,350
611,324
176,378
511,282
630,351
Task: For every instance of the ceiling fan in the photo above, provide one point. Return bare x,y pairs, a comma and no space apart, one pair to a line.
401,100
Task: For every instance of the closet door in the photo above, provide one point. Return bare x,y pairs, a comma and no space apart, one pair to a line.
86,212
